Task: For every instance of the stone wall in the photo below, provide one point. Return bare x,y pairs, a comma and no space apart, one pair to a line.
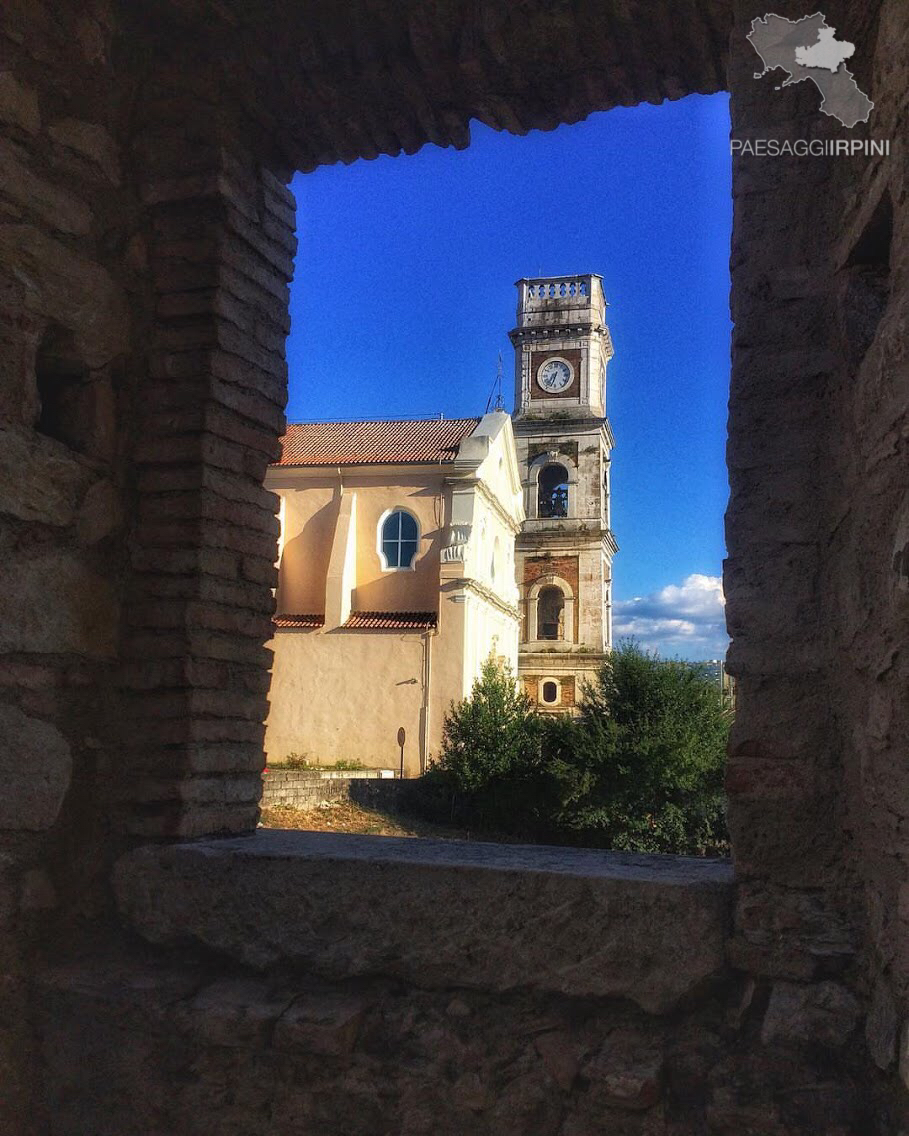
67,362
813,580
300,789
230,1051
444,988
865,571
144,258
146,241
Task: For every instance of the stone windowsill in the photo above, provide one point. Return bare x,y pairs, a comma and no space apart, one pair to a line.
440,913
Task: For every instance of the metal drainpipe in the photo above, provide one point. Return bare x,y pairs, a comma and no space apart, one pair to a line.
439,509
427,688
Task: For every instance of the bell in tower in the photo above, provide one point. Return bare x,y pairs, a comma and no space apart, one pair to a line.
564,442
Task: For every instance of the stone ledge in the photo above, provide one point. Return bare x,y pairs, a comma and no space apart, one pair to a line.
440,913
307,776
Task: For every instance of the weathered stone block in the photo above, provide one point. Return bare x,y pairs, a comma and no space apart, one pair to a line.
18,104
99,515
35,770
323,1023
627,1073
561,1057
770,915
39,480
79,292
497,917
881,1025
61,210
91,141
823,1013
55,603
234,1012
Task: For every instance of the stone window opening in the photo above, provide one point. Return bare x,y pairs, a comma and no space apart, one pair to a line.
552,498
63,383
808,894
551,614
399,537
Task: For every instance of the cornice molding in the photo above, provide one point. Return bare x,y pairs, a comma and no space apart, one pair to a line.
488,595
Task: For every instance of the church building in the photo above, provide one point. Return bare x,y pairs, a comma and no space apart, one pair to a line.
396,582
411,551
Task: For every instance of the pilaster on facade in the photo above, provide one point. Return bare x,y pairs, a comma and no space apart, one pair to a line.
341,579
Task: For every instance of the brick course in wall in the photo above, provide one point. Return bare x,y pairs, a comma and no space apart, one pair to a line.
203,549
536,567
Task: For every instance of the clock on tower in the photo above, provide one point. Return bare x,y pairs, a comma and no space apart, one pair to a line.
555,375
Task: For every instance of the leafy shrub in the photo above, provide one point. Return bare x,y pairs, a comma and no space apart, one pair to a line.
492,755
491,734
295,761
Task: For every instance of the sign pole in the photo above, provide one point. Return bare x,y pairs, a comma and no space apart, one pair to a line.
402,736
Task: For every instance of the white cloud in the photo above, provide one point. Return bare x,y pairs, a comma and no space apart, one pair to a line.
685,620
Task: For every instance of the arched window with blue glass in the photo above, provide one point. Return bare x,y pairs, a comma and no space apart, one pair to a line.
399,537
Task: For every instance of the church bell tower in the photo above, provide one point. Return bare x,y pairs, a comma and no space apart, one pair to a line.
564,441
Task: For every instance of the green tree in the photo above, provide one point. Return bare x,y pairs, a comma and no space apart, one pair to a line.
652,738
641,768
491,734
492,769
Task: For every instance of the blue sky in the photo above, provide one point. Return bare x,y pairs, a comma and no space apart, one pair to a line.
404,296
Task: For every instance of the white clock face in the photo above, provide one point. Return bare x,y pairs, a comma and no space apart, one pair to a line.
554,376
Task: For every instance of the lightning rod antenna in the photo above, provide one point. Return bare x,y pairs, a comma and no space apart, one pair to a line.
495,395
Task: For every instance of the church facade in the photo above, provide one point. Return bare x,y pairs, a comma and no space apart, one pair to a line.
411,551
565,549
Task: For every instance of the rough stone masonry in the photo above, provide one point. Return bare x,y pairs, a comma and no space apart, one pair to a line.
146,244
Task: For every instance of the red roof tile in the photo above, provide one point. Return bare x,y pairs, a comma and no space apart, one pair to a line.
299,620
392,620
364,443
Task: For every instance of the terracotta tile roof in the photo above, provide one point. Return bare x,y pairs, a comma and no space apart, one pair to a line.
392,620
298,620
364,443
